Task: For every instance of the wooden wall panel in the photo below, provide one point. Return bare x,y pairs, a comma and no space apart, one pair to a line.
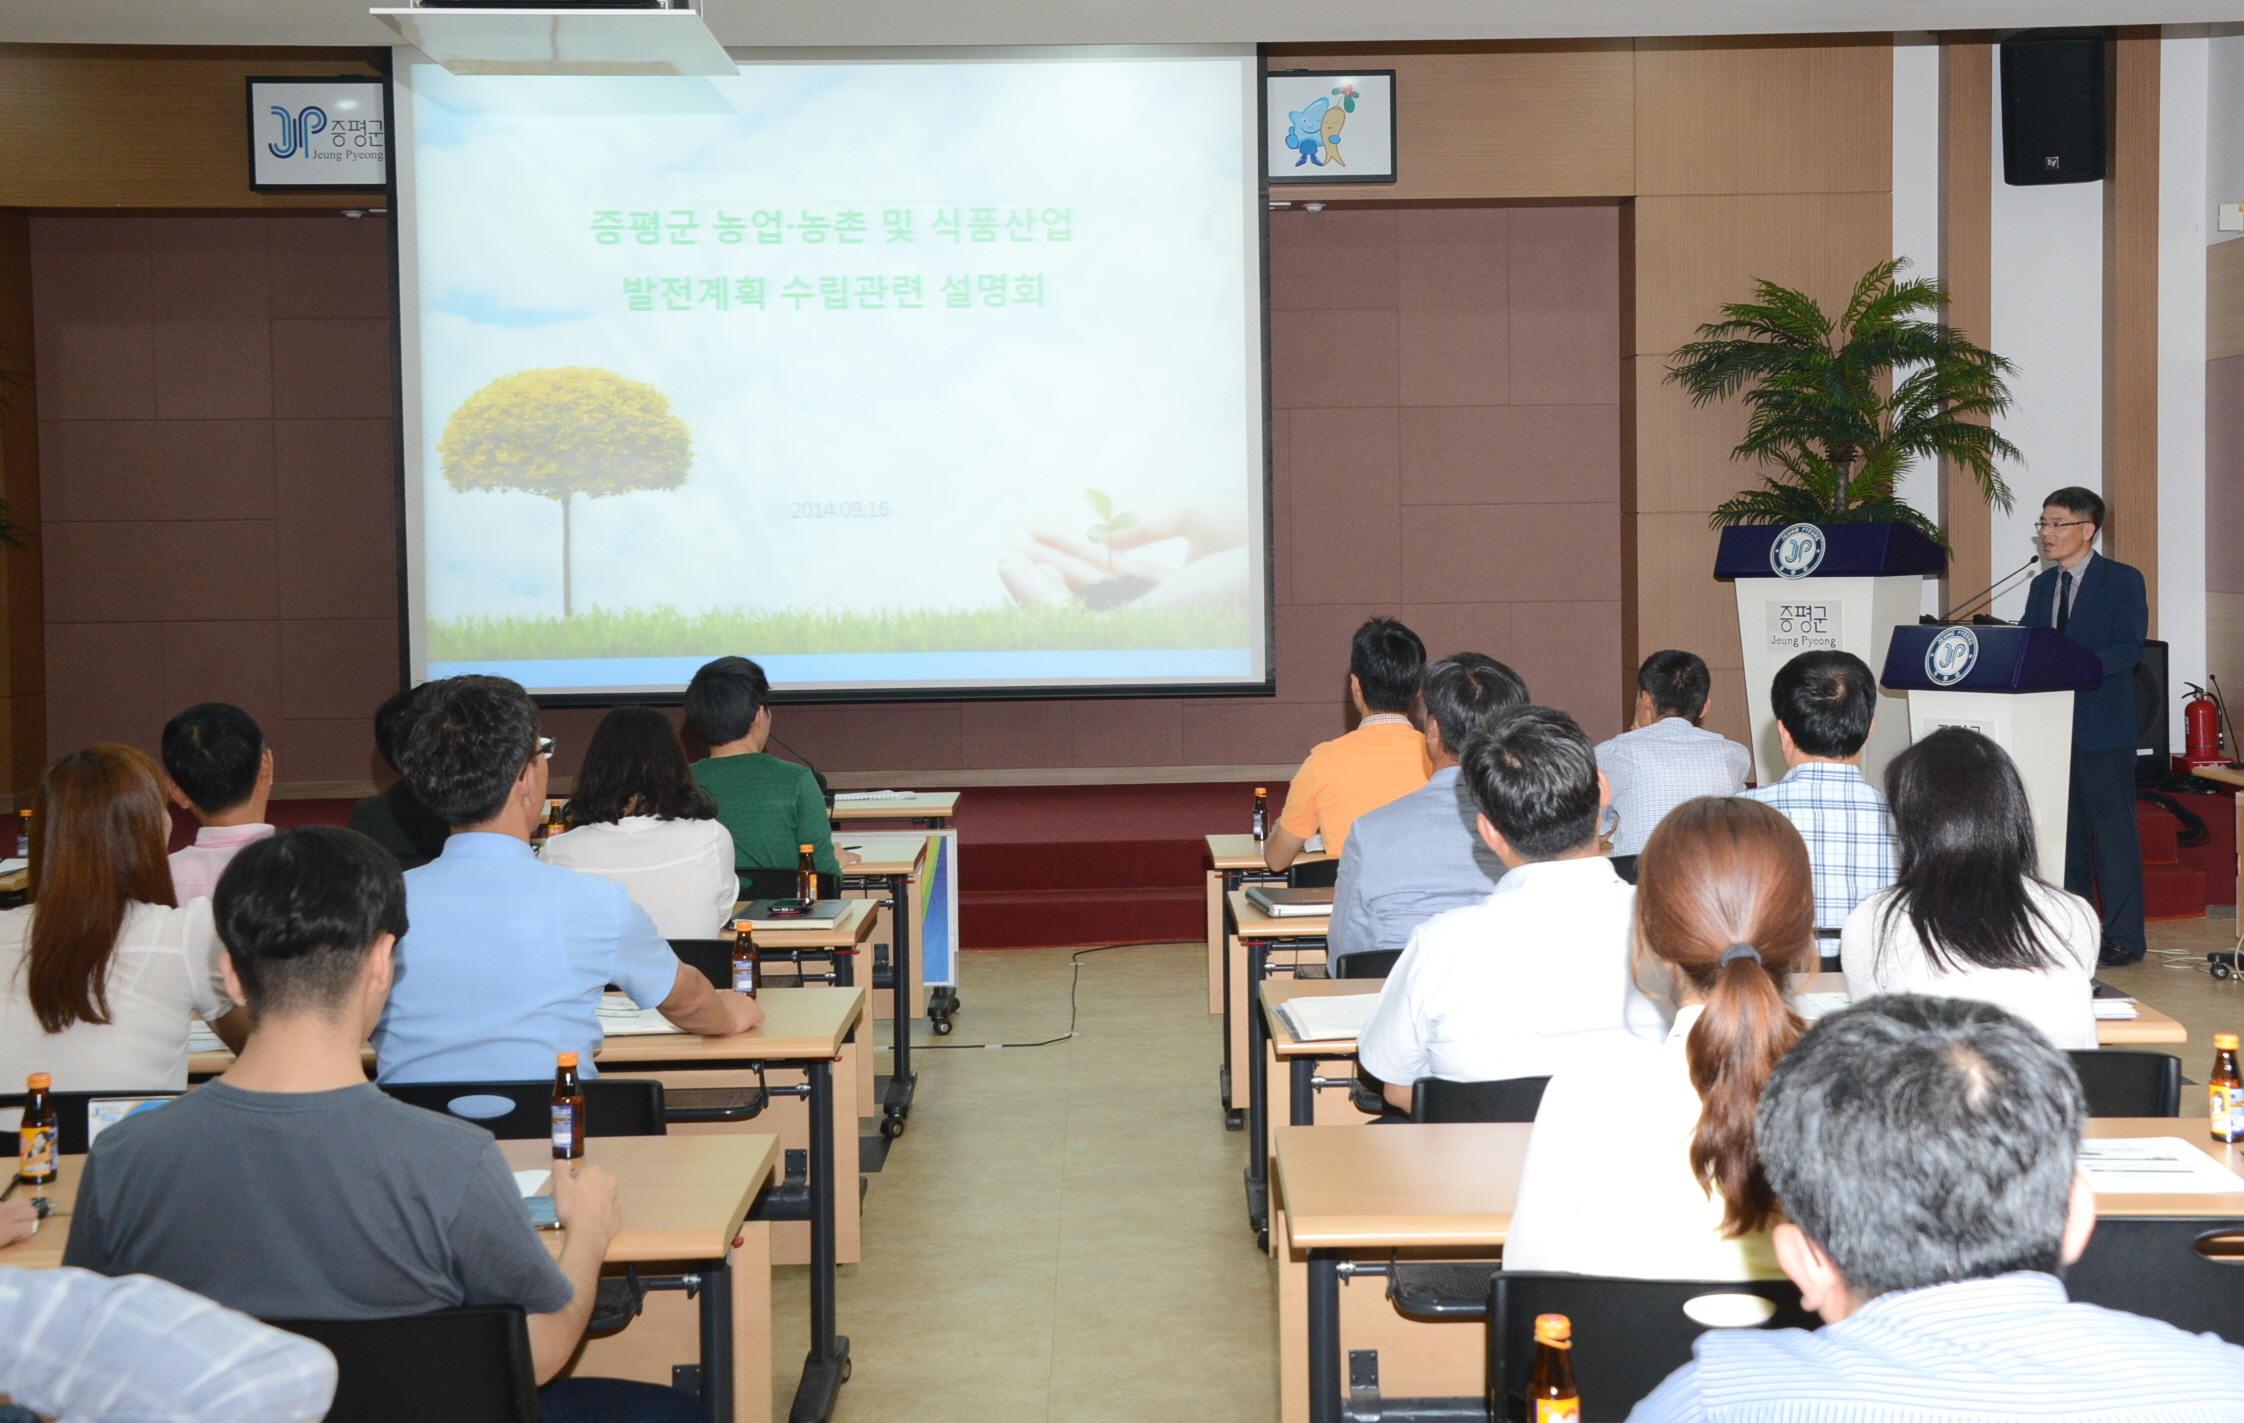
23,707
1967,175
143,128
2131,307
1474,122
1787,114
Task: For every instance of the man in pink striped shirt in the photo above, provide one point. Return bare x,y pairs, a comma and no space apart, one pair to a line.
221,770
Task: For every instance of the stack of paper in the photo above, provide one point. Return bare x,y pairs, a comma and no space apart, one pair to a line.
201,1039
1812,1006
2116,1008
2155,1166
874,795
1328,1020
622,1018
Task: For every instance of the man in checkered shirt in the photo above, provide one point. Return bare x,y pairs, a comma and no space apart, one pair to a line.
1824,703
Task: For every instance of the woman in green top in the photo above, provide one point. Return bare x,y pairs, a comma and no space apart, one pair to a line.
772,807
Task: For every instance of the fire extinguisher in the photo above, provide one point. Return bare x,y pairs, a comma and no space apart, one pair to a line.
2201,719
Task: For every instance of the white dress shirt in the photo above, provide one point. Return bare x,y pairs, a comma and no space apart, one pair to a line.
679,871
163,970
1884,955
1607,1187
1656,768
1530,980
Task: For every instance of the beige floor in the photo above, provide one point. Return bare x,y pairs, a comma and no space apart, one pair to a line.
1061,1235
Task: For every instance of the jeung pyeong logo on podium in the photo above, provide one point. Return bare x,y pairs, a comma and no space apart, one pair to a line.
1797,552
1951,656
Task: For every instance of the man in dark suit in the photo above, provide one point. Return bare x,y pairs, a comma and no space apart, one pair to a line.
2100,604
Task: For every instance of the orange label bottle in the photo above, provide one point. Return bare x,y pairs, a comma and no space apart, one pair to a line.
1551,1385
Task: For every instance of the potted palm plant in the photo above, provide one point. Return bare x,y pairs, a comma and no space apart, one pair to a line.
1840,407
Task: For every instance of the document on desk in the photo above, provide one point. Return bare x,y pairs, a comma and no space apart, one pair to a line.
1328,1020
529,1183
2115,1009
874,795
622,1018
2155,1166
1812,1006
201,1039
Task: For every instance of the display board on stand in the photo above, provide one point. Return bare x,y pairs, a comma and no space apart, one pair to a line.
1809,587
2012,685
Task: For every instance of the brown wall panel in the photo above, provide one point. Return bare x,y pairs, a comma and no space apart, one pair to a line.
22,604
144,128
1782,115
1476,122
2131,307
1967,85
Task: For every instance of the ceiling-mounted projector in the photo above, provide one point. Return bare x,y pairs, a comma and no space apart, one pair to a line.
562,36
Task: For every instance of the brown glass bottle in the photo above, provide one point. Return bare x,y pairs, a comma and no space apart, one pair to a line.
35,1138
806,876
743,958
1551,1386
568,1110
2226,1091
1261,814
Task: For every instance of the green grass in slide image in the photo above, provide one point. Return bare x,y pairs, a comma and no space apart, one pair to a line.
666,632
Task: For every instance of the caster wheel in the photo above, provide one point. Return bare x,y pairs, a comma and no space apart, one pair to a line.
2222,970
1262,1240
892,1127
941,1027
848,1366
1234,1120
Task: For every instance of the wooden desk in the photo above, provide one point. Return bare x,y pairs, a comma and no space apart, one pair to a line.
1301,940
1449,1190
1302,1059
889,864
685,1203
2146,1028
2225,775
1233,861
928,809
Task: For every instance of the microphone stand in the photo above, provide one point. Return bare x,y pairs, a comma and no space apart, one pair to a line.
1991,591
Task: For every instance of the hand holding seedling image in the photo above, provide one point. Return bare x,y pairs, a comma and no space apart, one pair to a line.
1053,567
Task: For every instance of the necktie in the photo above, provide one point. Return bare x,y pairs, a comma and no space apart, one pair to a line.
2064,599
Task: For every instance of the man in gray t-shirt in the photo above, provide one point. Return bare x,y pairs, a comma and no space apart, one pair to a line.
343,1204
292,1188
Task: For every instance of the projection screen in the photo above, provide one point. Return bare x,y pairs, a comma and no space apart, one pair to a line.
917,377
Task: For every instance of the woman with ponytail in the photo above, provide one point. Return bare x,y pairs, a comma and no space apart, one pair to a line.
1644,1165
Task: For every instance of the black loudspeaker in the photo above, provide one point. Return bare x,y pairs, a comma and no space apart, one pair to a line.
2154,746
2052,108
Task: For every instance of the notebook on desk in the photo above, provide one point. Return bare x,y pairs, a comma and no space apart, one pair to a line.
2111,1004
1340,1018
823,911
1279,902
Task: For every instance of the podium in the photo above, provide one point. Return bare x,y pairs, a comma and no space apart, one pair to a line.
2013,685
1804,587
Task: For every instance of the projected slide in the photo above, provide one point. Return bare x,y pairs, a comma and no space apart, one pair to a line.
913,376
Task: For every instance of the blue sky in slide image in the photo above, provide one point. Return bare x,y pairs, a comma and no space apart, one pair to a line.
849,451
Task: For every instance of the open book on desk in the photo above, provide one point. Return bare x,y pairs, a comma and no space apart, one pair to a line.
1328,1020
621,1018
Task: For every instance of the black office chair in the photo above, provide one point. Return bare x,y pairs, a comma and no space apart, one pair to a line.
2154,1266
1509,1099
1316,874
469,1365
781,884
70,1113
1625,867
2127,1082
1629,1335
523,1111
1365,963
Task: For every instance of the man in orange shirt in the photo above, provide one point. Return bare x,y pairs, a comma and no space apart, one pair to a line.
1383,759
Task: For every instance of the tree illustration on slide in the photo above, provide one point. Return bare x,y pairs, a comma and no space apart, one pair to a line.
565,431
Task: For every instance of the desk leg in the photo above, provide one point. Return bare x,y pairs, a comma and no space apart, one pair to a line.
716,1341
1324,1336
827,1365
1258,1094
1304,1101
902,1081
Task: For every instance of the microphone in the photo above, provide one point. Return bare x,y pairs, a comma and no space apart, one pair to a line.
1985,594
817,775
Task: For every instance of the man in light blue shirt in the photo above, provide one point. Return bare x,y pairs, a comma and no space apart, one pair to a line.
1413,858
1925,1151
1826,703
1666,757
507,957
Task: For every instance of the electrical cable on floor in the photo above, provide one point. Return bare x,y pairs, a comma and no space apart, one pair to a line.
1075,981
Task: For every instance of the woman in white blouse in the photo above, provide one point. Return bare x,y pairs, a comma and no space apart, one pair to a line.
1644,1164
638,818
100,975
1968,915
